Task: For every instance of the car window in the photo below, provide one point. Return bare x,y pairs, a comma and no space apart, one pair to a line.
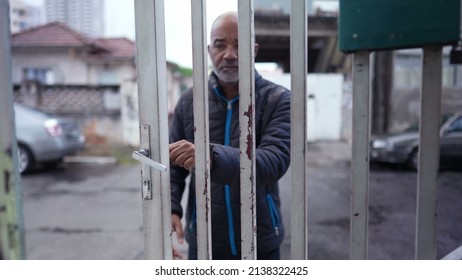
415,126
457,125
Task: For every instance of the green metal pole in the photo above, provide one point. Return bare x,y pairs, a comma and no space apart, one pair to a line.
11,218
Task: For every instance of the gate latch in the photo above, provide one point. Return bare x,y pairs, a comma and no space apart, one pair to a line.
143,157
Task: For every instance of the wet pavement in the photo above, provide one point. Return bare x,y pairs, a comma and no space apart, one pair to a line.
83,212
93,211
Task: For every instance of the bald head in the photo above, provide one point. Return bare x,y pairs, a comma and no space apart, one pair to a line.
226,19
223,48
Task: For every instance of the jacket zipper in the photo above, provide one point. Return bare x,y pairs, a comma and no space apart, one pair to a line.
229,211
273,213
193,219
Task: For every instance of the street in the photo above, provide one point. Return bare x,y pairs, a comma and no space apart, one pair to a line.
392,212
83,211
93,211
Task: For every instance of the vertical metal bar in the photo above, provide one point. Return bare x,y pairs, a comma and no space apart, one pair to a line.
360,156
151,67
201,131
299,70
11,213
247,128
429,153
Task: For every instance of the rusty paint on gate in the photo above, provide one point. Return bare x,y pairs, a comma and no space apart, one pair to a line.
249,114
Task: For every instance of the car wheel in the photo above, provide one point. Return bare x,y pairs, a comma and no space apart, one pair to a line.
25,159
413,161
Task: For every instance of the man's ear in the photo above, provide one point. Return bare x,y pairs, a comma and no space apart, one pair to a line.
208,49
256,48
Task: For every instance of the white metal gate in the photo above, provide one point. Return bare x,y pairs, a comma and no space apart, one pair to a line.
153,126
156,206
151,65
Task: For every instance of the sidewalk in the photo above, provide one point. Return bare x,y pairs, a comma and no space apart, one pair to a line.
327,153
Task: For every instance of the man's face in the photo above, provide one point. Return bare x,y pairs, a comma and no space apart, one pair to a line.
223,50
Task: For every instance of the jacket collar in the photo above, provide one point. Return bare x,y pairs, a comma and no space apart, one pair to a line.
213,80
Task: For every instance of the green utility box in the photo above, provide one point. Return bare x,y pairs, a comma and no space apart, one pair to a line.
368,25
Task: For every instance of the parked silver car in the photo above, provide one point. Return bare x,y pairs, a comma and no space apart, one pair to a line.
43,138
402,148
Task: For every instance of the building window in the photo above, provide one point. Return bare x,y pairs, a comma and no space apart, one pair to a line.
41,75
107,76
408,71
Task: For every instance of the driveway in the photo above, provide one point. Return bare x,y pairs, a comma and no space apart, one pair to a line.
93,211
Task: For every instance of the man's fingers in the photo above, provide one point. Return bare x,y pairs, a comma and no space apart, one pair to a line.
179,234
190,162
177,254
175,145
182,153
176,226
174,151
185,160
178,144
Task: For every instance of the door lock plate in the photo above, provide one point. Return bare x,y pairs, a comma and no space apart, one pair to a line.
147,189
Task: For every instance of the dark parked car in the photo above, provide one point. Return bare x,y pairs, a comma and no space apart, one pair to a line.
43,138
402,148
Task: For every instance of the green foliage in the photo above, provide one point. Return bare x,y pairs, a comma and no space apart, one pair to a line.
186,72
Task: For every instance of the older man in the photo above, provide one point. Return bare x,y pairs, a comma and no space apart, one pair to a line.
272,132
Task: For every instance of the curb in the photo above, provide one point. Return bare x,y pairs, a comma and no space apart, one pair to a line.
90,159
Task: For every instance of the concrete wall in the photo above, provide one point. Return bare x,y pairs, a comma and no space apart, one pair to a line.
70,68
129,114
67,66
325,99
104,74
129,106
405,106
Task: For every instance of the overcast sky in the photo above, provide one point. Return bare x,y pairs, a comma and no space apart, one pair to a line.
120,21
177,25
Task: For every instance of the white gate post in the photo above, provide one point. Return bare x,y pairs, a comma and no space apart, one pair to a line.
429,153
201,132
152,91
360,157
299,71
247,128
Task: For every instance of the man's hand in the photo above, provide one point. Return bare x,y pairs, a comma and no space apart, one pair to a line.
176,227
182,153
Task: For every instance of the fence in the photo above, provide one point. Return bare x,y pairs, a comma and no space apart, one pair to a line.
156,193
150,57
69,99
11,216
154,138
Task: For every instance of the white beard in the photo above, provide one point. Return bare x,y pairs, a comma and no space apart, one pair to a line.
227,77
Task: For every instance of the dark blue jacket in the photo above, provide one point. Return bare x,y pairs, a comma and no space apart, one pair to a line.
272,136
